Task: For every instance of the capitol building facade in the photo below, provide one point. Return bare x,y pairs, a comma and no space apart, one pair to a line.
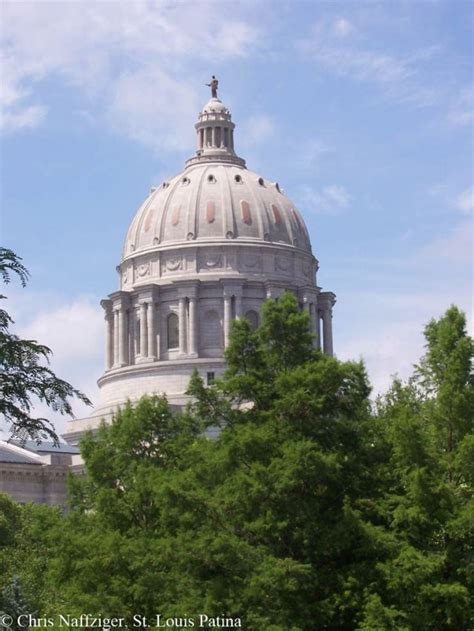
206,247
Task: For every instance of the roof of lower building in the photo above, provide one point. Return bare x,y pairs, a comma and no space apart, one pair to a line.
16,455
46,447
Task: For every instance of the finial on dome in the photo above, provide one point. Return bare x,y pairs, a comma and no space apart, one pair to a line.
215,132
213,85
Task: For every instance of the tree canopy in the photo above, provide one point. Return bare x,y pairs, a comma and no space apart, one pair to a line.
25,376
307,509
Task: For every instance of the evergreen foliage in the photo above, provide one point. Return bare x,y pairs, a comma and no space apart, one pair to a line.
428,506
14,604
308,510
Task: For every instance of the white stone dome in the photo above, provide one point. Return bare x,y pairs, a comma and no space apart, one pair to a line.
215,202
215,105
205,248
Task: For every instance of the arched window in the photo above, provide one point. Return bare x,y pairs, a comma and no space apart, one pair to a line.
173,331
252,317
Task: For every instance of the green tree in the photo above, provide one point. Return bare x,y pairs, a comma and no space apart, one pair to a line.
24,376
13,603
306,510
428,581
27,543
262,522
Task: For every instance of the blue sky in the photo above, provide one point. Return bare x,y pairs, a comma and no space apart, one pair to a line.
362,111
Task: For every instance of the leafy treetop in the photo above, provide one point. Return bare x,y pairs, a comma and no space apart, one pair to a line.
24,376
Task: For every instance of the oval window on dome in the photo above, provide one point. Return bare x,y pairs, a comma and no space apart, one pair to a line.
175,216
261,181
148,219
276,214
245,208
210,211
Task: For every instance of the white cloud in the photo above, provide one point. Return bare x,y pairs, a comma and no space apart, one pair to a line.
342,27
313,152
123,56
331,47
387,348
462,110
21,117
455,247
386,329
465,201
74,331
384,326
15,111
256,129
71,330
330,200
135,110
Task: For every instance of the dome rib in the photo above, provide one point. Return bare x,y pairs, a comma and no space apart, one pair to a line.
166,207
227,194
228,207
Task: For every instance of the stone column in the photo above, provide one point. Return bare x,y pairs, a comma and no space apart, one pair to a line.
192,327
182,326
136,341
157,333
151,330
123,335
238,307
143,331
307,308
316,327
213,142
227,319
327,331
116,338
131,335
109,340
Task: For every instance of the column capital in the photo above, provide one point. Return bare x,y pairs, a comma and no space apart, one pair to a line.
146,294
233,289
326,300
187,289
275,290
120,299
106,305
307,294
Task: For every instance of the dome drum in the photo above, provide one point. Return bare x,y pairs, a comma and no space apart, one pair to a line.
208,262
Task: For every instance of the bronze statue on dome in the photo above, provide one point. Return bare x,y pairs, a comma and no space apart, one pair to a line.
213,85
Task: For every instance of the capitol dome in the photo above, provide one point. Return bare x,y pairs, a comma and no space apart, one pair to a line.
209,202
206,247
